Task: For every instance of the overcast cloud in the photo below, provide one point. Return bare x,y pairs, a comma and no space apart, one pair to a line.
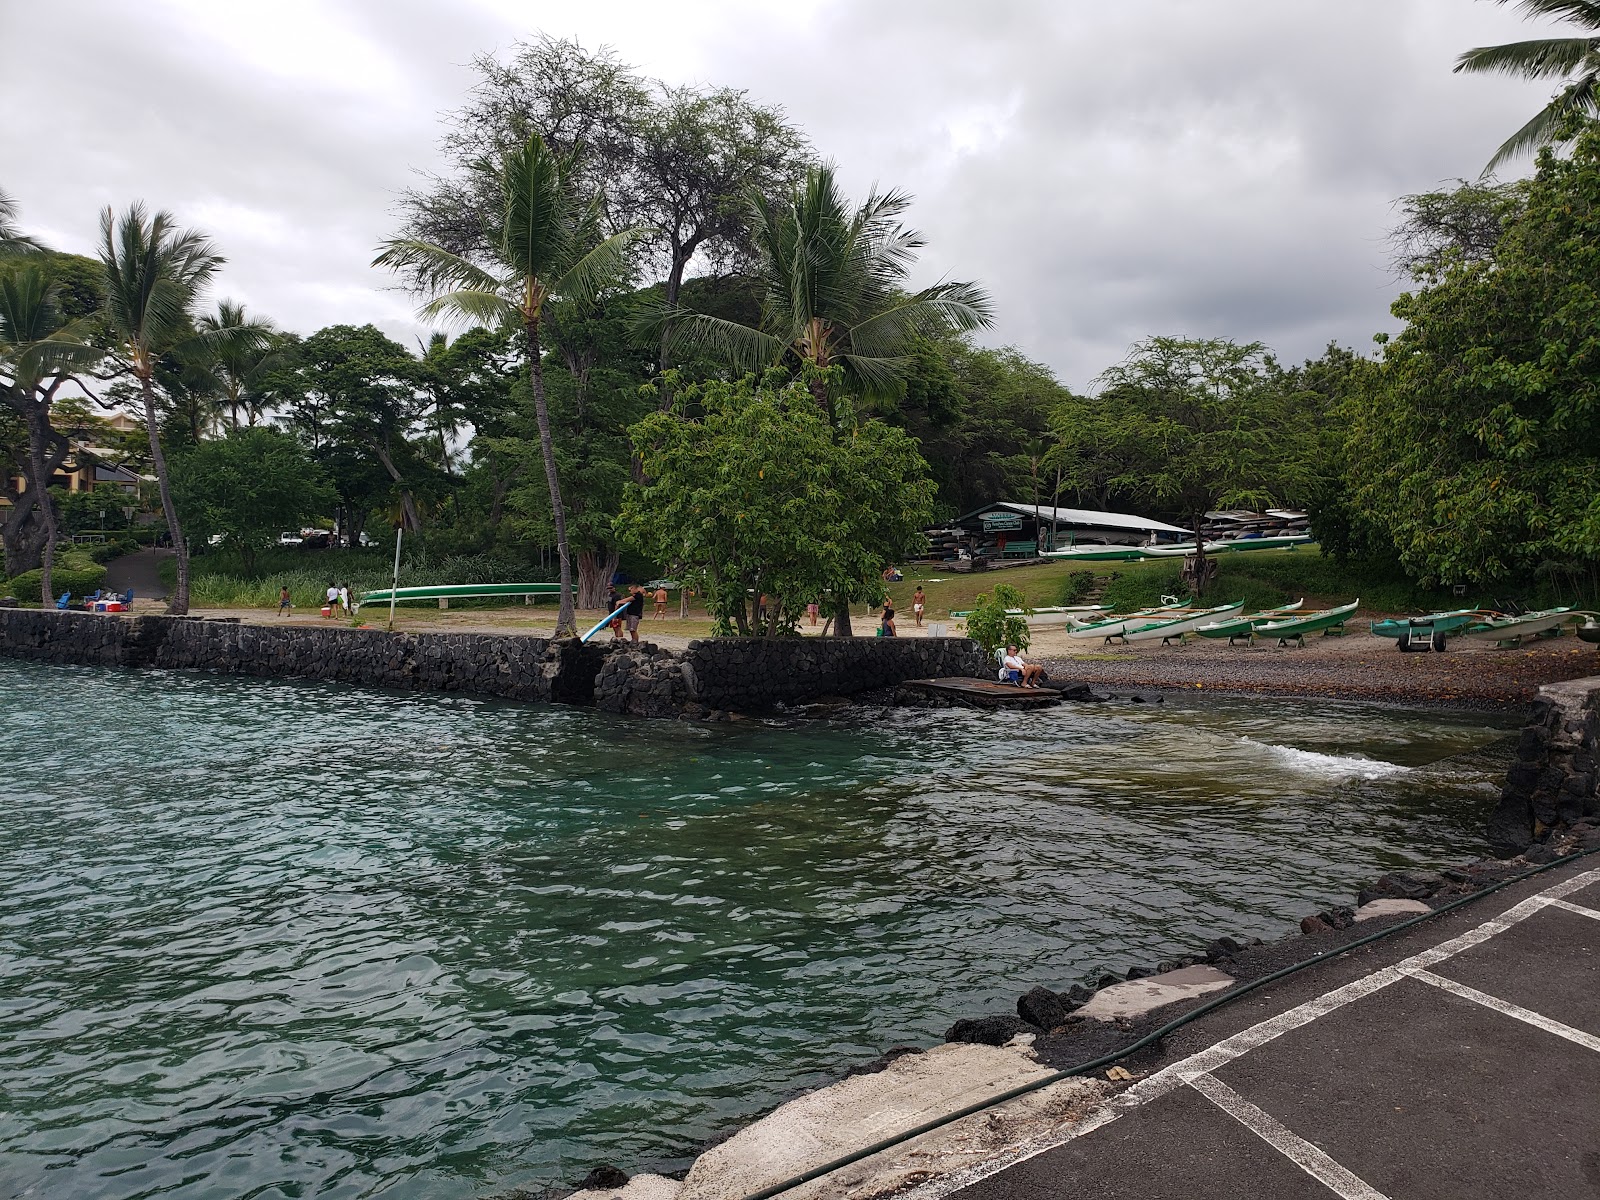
1109,171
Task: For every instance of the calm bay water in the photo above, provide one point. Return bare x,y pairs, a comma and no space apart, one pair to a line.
269,939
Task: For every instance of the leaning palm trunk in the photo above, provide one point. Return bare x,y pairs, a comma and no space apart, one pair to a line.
566,618
179,605
47,508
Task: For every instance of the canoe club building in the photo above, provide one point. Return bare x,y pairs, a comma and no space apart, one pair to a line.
1007,530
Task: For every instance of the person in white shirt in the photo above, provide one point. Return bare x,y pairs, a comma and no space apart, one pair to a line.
1012,665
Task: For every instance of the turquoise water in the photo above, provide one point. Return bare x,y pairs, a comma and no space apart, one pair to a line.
269,939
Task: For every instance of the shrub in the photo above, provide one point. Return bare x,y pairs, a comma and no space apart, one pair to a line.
1076,586
80,578
992,627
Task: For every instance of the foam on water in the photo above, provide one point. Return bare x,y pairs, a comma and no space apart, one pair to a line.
1337,766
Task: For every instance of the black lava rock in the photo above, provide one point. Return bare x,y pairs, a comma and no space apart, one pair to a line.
988,1031
1403,885
1042,1007
604,1176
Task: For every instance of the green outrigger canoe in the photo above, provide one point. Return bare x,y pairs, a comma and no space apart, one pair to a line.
1245,626
460,591
1427,632
1295,628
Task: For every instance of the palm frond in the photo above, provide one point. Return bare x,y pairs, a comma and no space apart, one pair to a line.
1543,58
932,311
12,239
1547,123
433,268
1584,12
745,348
469,306
603,264
878,377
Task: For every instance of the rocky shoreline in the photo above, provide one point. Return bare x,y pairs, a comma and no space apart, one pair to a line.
1356,667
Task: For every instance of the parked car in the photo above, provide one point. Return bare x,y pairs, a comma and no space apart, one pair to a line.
289,538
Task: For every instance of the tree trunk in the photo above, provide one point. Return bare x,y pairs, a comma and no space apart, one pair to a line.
566,619
23,534
408,504
179,604
595,569
47,509
841,620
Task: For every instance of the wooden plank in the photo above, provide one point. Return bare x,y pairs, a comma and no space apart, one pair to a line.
987,693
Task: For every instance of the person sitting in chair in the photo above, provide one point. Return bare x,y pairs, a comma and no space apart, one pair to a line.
1021,672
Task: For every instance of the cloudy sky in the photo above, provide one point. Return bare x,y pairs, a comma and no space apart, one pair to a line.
1216,168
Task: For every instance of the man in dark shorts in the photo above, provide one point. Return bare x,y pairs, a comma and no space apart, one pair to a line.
635,612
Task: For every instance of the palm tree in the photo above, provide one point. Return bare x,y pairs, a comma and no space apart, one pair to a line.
154,272
12,239
243,350
39,349
1573,59
834,282
835,300
549,245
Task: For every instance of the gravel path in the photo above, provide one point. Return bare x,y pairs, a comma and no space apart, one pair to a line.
1357,666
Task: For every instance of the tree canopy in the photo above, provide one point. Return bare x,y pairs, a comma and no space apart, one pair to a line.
757,496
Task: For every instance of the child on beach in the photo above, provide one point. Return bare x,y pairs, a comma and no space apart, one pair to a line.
283,600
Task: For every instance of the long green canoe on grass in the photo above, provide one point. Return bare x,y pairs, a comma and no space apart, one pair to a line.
460,591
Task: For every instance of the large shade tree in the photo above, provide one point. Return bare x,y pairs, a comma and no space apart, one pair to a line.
40,349
676,160
548,242
154,273
1575,61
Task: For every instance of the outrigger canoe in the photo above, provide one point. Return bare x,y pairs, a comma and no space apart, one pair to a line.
1113,627
1431,630
1176,626
1097,553
1296,627
1245,626
1500,628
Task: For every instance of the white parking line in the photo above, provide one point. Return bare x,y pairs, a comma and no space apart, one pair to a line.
1203,1063
1309,1158
1591,913
1506,1008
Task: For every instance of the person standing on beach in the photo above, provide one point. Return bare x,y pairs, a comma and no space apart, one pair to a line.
614,602
635,612
887,628
918,600
331,601
344,598
284,602
661,602
812,610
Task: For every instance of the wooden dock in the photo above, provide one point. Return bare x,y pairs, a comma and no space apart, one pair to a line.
987,693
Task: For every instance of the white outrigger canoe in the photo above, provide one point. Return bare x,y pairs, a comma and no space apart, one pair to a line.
1497,628
1114,626
1177,626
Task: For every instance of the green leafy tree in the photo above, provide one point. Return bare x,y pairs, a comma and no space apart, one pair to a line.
758,496
1192,425
1574,60
239,361
1475,450
40,349
154,273
248,486
548,244
993,624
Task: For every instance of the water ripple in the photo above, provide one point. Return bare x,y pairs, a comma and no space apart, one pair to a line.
270,939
